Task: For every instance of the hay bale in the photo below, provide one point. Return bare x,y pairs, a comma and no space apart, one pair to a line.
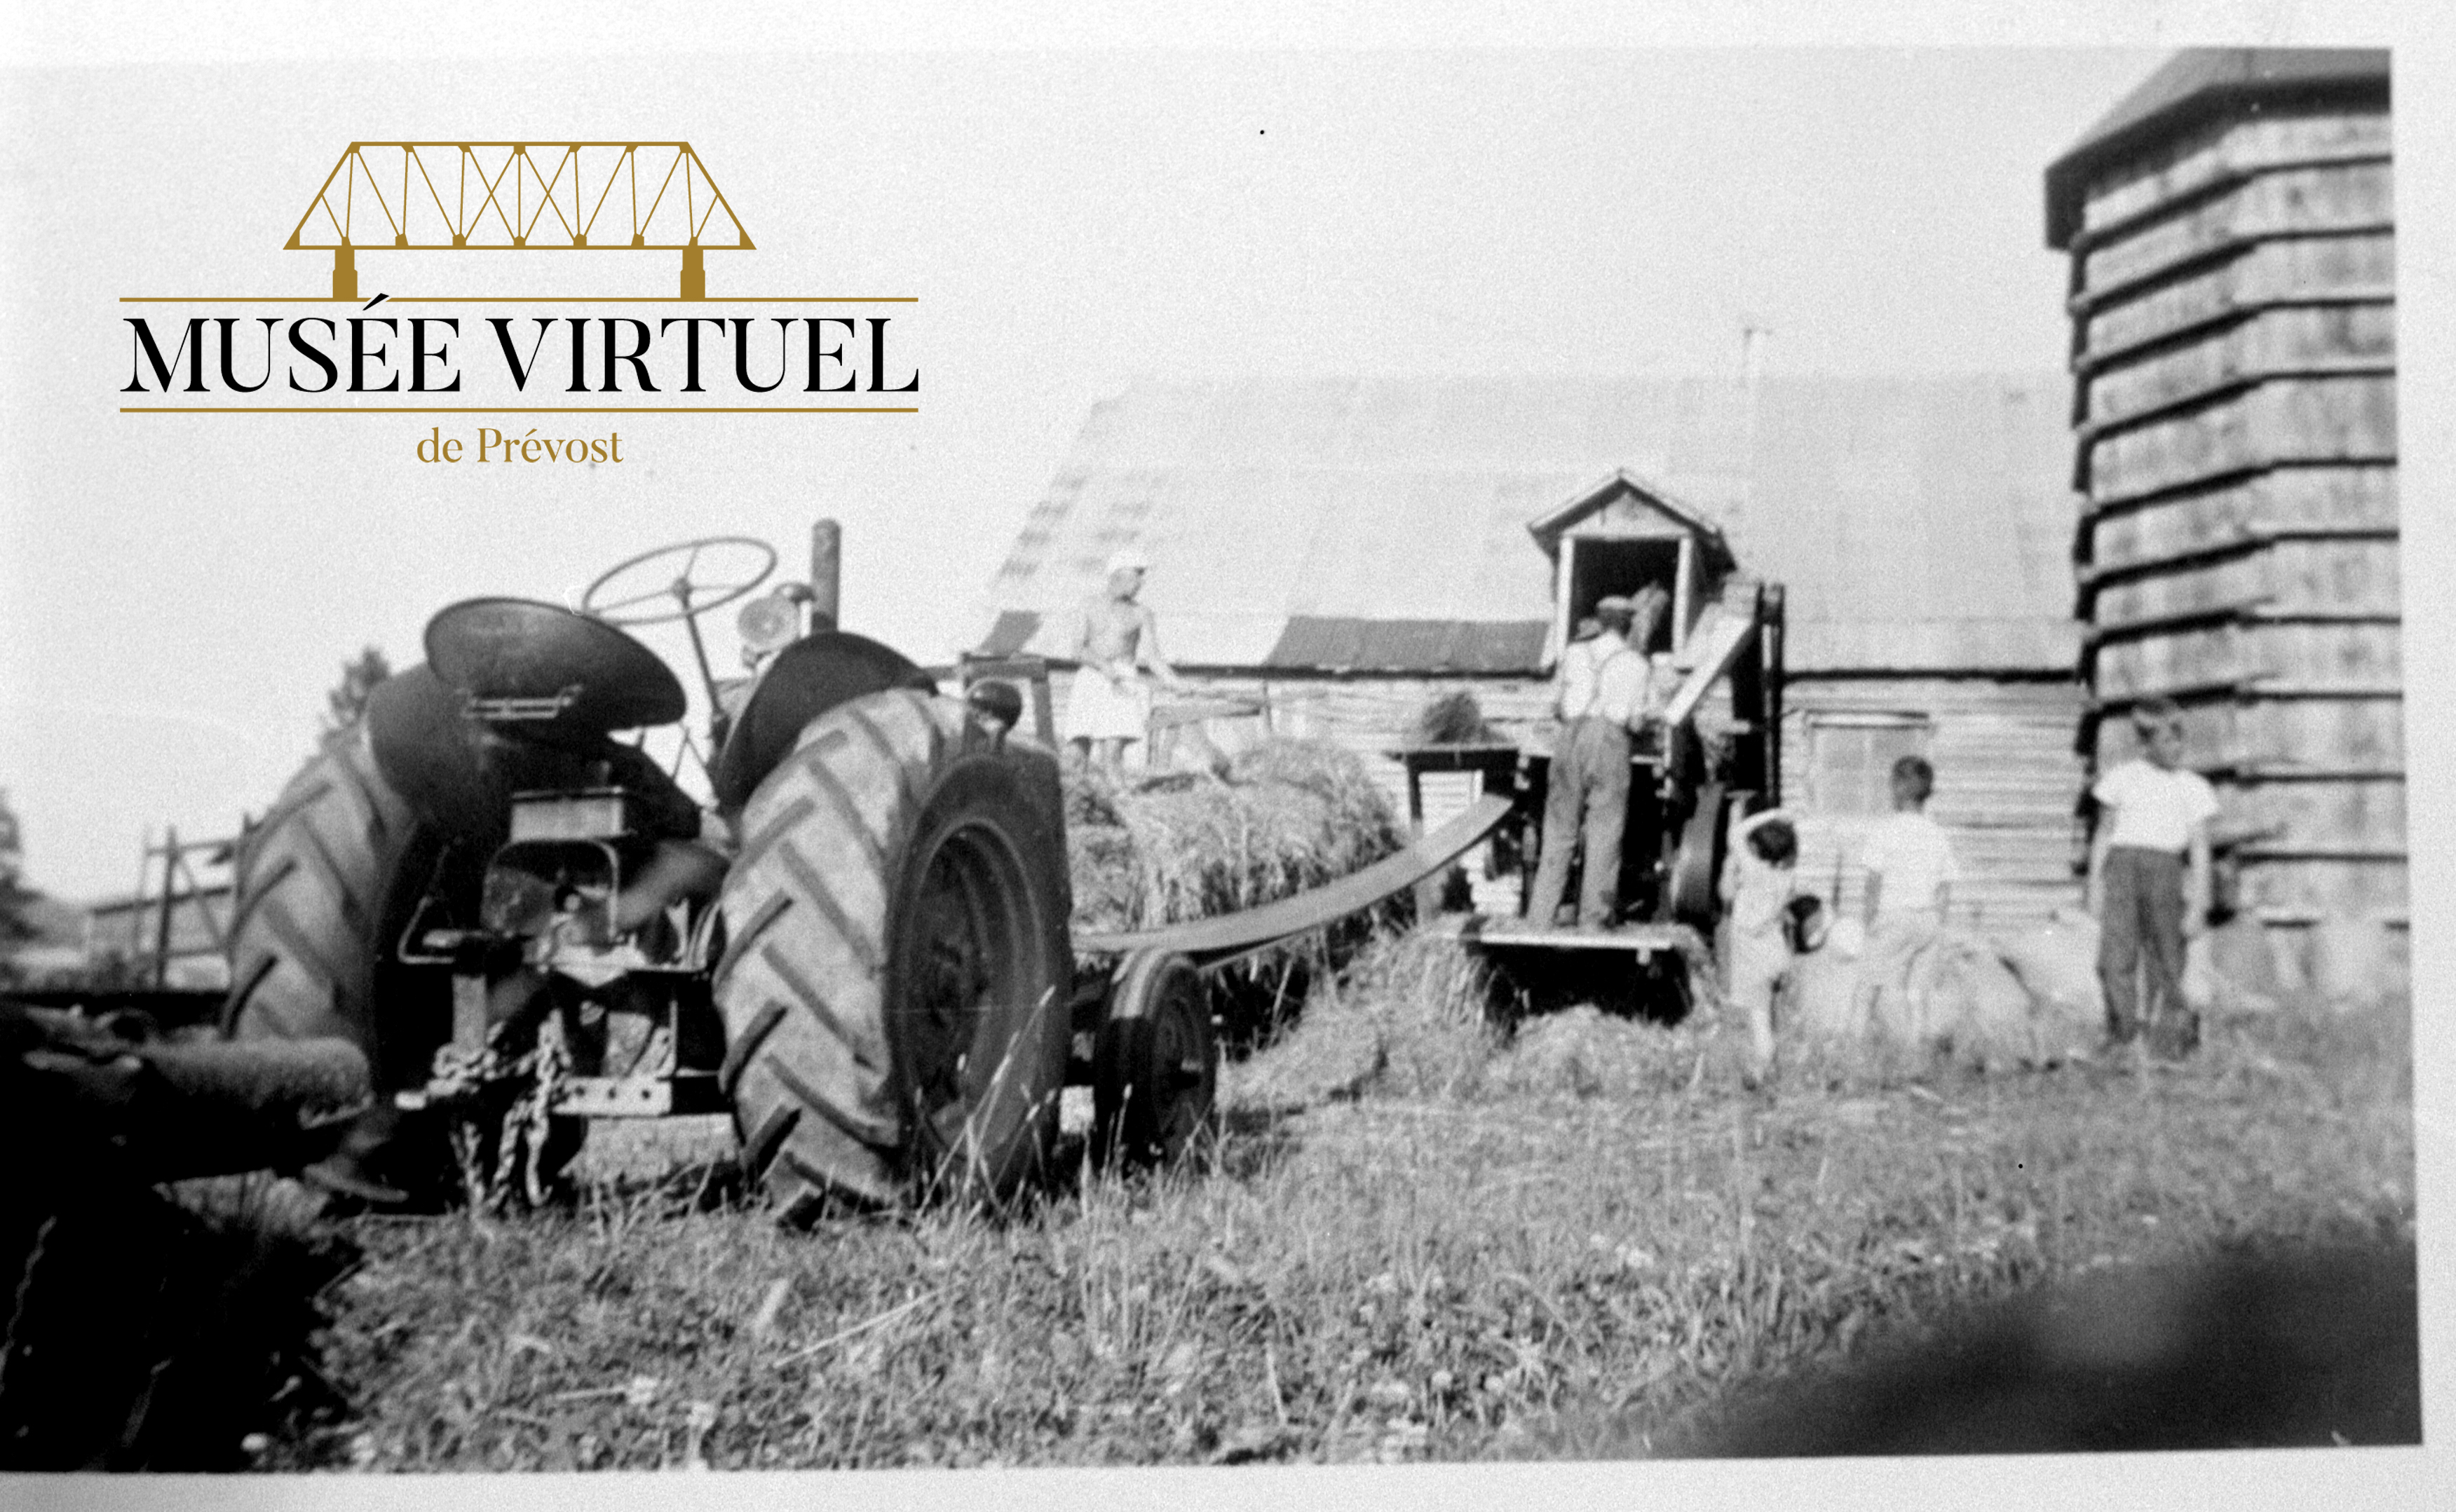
1987,1016
1954,994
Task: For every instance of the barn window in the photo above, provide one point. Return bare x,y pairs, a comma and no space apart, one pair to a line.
1851,759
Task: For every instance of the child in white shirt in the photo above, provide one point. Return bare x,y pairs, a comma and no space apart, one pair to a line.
1909,861
1757,888
2149,881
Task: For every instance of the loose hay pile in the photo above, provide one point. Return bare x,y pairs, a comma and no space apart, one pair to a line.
1583,1052
1411,1016
1287,816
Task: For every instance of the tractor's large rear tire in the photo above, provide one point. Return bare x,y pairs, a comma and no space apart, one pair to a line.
325,885
895,984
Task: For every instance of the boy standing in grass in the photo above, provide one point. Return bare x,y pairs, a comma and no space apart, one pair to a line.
2149,882
1910,873
1756,888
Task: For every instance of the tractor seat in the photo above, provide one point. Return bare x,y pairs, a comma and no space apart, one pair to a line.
515,661
462,773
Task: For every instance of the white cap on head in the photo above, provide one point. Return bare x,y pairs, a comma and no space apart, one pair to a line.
1127,558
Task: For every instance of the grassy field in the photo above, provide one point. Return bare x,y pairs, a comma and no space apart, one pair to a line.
1456,1248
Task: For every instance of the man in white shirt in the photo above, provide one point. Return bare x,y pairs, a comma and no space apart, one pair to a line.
2149,881
1607,692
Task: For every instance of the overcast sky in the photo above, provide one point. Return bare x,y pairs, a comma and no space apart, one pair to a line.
176,592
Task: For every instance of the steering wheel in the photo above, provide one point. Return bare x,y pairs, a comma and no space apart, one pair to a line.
695,587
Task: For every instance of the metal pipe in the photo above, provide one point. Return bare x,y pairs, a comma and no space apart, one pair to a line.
826,572
162,930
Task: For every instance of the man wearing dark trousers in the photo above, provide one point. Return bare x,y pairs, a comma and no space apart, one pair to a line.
1607,692
2149,882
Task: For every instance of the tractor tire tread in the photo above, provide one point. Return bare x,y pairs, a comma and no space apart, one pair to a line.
824,1058
803,989
314,871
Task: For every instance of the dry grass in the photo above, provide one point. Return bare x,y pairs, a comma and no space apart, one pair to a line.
1478,1249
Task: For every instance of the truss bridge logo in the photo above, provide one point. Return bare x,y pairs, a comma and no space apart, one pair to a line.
518,197
384,210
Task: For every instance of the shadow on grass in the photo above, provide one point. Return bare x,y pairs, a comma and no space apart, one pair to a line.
2299,1349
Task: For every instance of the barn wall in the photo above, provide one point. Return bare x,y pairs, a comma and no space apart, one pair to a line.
2007,784
2235,411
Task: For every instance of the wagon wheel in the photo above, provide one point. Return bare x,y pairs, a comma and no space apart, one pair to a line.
1695,861
1155,1063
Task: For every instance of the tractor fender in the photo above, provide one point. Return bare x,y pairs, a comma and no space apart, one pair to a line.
432,757
806,678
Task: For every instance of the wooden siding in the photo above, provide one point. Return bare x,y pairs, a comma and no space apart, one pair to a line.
2333,500
2007,785
2304,737
2235,347
2298,340
2204,660
2290,577
2221,150
2292,201
2354,267
2287,420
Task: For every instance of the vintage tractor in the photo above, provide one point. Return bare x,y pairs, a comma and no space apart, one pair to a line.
861,950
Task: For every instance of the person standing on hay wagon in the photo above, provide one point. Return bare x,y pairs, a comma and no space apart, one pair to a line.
1606,694
2149,879
1111,702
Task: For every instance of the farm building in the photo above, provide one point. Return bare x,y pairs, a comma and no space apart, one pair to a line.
2231,234
1341,552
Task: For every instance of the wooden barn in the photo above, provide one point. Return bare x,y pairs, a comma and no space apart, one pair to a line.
1341,552
2231,231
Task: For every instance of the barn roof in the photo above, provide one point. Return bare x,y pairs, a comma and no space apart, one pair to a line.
1920,523
2196,84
